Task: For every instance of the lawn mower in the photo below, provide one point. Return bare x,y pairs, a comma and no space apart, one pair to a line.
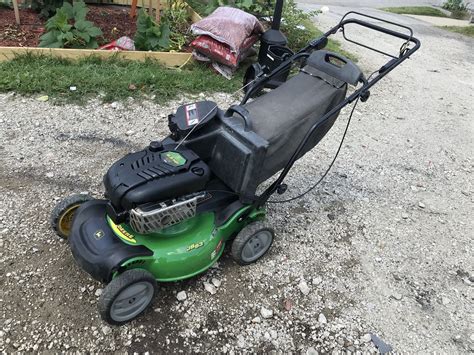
170,209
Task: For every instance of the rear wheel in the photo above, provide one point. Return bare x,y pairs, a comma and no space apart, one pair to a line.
63,214
252,242
127,296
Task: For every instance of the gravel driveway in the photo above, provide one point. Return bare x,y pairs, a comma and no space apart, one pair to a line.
384,247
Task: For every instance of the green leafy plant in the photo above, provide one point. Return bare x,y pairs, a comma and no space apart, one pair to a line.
214,4
177,16
68,28
151,36
458,8
256,7
297,25
46,8
4,4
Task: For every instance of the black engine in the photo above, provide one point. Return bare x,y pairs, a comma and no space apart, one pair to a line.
154,174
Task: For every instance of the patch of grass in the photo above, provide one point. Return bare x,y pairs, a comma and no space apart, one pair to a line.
116,79
416,10
112,79
466,30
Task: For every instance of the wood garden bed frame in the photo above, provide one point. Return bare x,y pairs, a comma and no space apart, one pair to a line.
169,59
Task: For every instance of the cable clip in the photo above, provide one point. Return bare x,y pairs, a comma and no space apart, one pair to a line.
364,96
281,189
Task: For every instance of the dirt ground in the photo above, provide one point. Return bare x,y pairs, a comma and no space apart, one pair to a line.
384,247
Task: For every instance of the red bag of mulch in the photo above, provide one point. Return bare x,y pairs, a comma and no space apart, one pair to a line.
230,26
220,52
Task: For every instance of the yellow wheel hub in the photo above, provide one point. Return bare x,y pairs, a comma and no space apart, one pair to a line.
65,221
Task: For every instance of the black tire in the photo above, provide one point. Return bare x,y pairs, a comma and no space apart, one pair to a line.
111,304
256,238
63,213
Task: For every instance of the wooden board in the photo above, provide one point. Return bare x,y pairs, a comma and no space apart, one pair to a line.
169,59
193,15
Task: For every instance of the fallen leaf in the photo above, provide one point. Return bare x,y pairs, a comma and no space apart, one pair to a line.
43,98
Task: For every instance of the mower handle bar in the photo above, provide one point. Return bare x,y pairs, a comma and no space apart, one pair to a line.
362,92
320,42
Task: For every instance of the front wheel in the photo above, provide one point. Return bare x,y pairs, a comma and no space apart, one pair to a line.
252,242
127,296
63,214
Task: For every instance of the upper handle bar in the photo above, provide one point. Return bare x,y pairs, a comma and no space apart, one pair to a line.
376,18
320,42
407,37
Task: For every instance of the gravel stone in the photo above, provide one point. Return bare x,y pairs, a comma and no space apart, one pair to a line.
304,288
210,288
181,296
106,330
322,318
216,282
317,280
266,313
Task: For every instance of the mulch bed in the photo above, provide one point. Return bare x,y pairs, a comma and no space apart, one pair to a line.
114,21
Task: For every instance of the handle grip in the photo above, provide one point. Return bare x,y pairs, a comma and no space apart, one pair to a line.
347,72
242,112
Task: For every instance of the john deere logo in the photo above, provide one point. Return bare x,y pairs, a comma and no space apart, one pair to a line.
173,158
98,234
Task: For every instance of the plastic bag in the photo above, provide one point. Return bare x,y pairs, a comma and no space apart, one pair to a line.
122,44
220,52
230,26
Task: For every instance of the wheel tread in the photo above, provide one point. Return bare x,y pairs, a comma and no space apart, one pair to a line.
64,205
117,285
244,235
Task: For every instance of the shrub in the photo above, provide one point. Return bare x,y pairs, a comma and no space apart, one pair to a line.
458,8
256,7
68,28
171,33
46,8
177,16
151,36
298,25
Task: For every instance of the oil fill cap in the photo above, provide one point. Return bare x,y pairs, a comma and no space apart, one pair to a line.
155,146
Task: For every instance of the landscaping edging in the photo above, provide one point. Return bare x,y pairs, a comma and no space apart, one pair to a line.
169,59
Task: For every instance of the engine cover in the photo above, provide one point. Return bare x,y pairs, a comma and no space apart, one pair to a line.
155,174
